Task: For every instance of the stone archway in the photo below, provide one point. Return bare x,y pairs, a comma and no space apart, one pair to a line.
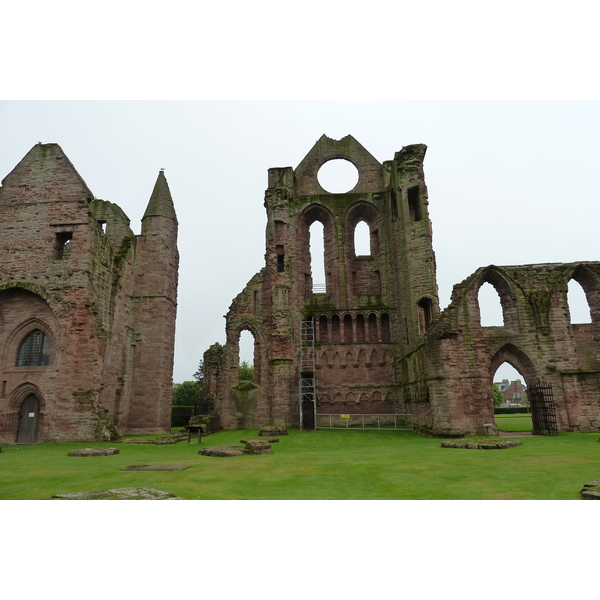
519,361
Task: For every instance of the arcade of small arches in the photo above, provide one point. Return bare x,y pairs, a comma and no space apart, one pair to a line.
355,358
350,399
353,327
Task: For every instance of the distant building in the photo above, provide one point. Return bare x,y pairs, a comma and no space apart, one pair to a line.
514,393
87,308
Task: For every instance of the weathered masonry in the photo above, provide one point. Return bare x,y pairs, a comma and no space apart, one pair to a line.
87,308
378,342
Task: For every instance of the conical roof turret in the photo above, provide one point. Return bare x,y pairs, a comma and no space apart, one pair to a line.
161,202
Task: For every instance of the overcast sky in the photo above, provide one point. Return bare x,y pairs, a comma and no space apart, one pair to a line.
509,182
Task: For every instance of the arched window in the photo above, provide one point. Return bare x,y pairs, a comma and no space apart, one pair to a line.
335,329
373,335
579,308
348,336
360,328
490,307
317,257
247,354
362,239
323,330
34,350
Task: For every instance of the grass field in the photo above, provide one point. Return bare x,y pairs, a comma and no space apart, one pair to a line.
325,464
514,422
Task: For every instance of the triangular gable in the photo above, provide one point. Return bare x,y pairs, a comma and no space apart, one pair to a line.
44,174
369,169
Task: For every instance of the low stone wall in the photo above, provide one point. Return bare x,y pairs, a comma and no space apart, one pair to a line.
481,444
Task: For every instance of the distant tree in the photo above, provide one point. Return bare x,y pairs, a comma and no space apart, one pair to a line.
199,374
186,393
246,371
498,397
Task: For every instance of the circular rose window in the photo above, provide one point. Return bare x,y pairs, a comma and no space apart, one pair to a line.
338,176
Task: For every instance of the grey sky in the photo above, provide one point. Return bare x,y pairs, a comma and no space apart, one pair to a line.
509,182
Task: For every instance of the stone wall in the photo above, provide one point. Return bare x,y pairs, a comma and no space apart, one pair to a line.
537,338
70,267
367,316
381,343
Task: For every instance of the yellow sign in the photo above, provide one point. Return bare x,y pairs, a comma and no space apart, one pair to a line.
345,416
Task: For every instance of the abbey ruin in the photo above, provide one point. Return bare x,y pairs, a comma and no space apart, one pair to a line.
87,308
87,313
373,340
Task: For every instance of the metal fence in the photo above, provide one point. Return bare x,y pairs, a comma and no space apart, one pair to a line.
180,415
364,422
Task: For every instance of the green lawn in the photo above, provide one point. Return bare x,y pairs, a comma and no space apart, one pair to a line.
519,422
325,464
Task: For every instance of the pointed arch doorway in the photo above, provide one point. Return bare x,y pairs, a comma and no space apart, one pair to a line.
513,373
29,420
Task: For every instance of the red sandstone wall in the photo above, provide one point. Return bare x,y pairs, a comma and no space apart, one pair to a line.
82,302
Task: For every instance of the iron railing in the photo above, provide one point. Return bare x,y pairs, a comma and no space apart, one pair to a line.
364,422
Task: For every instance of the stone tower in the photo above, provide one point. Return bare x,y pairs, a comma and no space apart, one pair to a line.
87,308
372,309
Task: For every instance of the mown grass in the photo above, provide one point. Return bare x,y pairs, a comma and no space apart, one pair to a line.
323,465
514,422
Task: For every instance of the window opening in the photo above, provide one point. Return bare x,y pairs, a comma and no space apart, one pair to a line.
414,203
103,226
247,349
317,257
62,245
280,257
579,308
338,176
362,239
34,350
490,307
425,315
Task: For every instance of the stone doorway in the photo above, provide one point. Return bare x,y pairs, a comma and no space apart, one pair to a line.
308,415
513,414
29,420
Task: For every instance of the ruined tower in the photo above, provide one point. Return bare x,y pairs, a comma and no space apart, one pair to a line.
87,308
371,309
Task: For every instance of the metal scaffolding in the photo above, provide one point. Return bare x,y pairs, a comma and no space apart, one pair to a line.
307,388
